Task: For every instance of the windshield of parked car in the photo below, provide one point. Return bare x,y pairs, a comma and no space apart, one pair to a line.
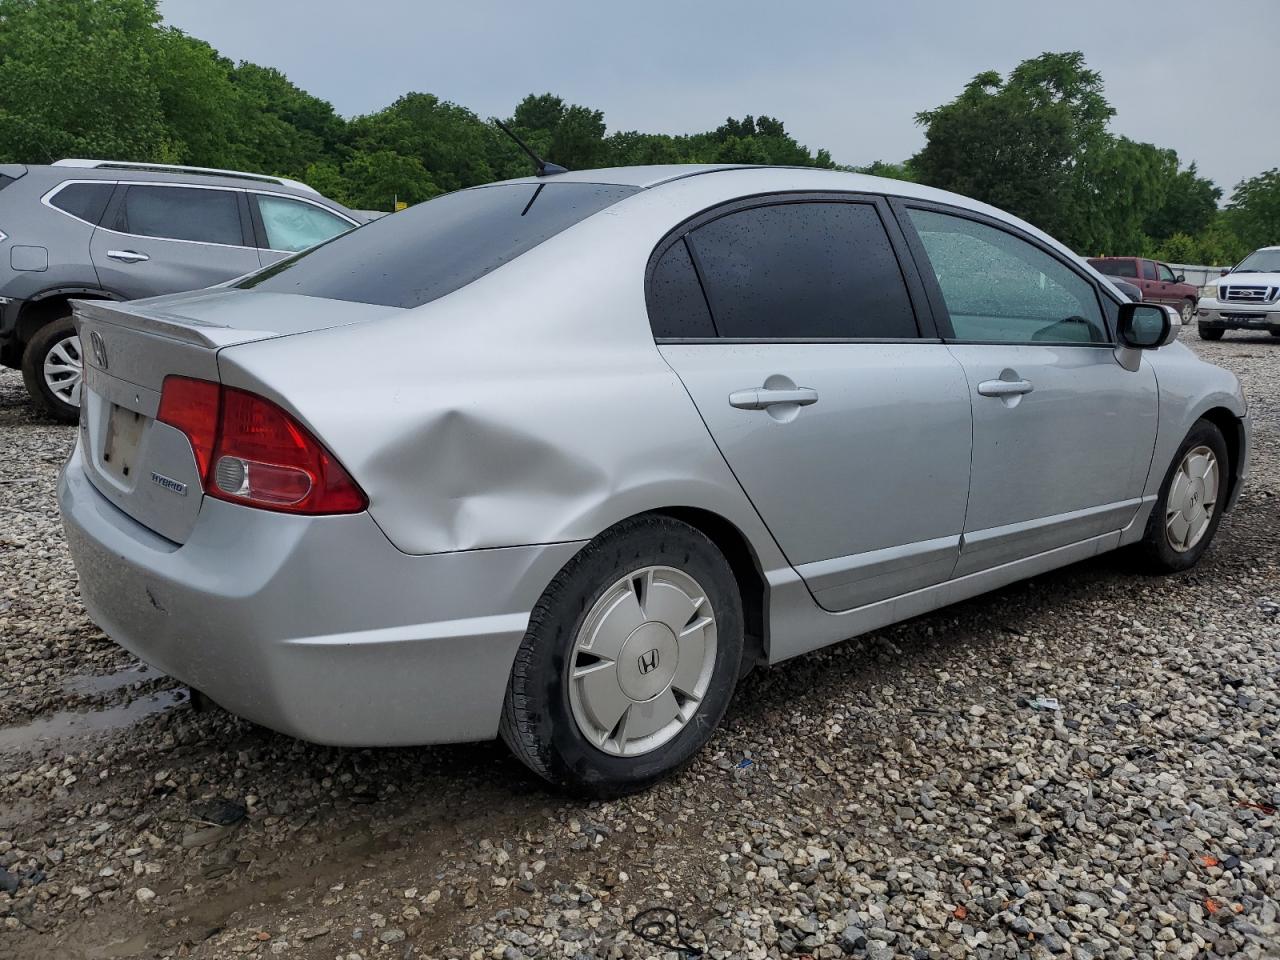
432,249
1260,261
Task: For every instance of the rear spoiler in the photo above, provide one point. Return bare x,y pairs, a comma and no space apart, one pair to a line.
154,320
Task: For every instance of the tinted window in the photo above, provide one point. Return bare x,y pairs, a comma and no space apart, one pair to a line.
182,213
1148,270
677,307
801,270
84,200
434,248
1166,274
1001,288
1116,268
294,225
5,180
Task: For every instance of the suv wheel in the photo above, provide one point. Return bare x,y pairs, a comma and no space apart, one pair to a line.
630,660
53,369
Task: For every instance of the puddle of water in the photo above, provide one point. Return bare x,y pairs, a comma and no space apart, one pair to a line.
66,724
91,684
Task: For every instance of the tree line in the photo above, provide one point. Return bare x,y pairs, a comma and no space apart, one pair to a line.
108,78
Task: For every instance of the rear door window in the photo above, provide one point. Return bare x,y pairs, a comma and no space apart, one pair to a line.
182,213
294,225
85,201
1116,268
432,249
806,270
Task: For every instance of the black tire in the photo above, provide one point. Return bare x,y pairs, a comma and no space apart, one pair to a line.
1158,554
33,370
1188,311
1210,333
538,723
1274,333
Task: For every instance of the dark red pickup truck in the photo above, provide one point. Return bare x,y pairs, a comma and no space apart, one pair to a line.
1156,280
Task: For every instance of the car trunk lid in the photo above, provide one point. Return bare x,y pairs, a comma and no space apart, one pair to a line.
145,467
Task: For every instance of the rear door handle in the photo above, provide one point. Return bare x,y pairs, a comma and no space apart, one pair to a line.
1004,388
127,256
761,398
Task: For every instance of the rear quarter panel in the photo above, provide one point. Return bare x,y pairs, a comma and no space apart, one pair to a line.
531,406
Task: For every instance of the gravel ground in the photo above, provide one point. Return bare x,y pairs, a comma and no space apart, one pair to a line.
895,796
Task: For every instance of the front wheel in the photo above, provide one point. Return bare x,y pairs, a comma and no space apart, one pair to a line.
53,369
1210,333
1189,508
1274,333
629,662
1188,311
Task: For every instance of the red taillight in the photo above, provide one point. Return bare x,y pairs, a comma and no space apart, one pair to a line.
251,451
192,407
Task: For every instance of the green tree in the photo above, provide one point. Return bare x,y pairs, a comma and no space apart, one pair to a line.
281,128
76,80
568,134
197,99
1019,143
376,180
1190,206
1254,211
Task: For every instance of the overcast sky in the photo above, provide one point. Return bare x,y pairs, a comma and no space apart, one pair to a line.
1194,75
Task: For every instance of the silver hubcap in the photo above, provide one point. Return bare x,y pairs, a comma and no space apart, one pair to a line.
1188,312
1192,498
642,661
64,370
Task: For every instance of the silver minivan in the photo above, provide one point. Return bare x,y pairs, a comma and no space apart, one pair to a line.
117,231
558,459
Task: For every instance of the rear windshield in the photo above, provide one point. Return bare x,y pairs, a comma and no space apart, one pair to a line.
434,248
1115,268
5,180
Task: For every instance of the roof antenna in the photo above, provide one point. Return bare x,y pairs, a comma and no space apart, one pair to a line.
545,169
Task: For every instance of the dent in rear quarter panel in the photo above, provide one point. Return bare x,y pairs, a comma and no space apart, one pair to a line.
1189,387
531,406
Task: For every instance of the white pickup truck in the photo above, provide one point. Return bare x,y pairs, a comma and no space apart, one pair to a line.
1246,298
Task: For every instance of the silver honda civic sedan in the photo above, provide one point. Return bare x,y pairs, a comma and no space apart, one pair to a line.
559,459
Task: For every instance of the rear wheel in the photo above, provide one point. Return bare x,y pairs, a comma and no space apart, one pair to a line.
629,662
1210,333
1187,514
1188,311
53,369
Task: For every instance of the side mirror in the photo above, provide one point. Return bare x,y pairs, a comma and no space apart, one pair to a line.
1181,278
1146,326
1223,272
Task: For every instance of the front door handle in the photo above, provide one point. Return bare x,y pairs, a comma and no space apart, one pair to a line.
761,398
1004,388
127,256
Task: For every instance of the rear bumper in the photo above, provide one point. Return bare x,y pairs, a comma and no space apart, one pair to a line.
314,626
1224,316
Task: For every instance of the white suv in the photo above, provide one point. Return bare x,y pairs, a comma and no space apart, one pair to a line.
1247,298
